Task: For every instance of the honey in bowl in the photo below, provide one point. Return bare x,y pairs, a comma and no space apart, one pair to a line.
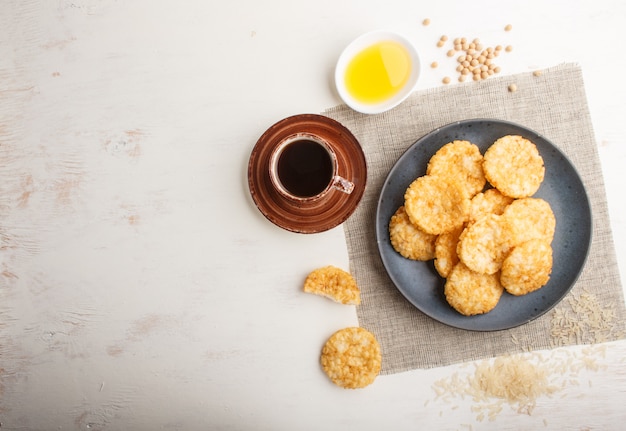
378,72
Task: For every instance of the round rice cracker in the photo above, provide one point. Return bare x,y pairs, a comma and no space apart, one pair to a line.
484,244
527,268
333,283
530,218
351,358
514,166
436,204
491,201
446,256
409,240
460,160
471,293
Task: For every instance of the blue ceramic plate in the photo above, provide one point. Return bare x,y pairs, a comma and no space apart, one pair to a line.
562,187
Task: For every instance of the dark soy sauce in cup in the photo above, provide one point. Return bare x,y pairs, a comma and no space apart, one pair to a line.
305,168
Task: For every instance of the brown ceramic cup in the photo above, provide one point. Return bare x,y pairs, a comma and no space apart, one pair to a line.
303,168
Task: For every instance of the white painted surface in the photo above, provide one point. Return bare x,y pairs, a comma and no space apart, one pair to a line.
141,289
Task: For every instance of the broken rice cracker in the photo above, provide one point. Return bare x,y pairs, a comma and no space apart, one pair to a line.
333,283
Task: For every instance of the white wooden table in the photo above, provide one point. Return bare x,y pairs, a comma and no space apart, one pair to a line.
140,288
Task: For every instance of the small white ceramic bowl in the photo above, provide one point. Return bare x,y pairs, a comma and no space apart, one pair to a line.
359,44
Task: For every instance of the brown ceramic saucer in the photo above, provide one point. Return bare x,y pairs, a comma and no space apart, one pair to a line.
325,213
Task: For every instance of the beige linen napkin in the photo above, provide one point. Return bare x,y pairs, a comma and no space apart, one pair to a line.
553,103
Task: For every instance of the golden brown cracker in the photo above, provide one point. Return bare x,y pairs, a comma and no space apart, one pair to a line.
490,201
513,165
460,160
351,358
436,205
471,293
446,256
333,283
484,244
530,218
409,240
527,268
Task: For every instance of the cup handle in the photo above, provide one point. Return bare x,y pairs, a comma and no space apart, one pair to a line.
343,185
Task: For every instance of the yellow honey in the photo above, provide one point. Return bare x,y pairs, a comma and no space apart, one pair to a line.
378,72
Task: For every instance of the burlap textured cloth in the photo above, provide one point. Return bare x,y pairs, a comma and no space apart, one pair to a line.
552,103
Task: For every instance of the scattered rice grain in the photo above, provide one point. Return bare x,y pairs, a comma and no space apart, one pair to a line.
582,319
518,381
